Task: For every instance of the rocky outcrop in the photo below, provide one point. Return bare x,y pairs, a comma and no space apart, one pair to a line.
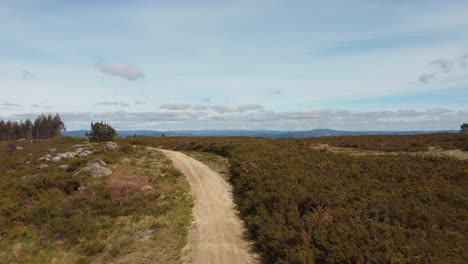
80,152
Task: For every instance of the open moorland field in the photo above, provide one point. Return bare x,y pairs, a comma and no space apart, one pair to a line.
67,214
307,204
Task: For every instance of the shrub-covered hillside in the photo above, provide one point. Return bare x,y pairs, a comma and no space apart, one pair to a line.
397,143
70,212
307,206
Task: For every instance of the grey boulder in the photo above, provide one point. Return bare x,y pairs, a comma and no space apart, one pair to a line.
111,146
95,170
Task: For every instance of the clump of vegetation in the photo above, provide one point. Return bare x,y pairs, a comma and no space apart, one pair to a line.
43,127
101,131
306,206
464,128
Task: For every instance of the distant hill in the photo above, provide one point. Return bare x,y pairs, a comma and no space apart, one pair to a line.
256,133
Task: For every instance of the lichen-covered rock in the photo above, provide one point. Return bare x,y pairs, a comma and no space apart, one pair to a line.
56,159
85,153
95,170
111,145
42,166
146,188
52,151
64,167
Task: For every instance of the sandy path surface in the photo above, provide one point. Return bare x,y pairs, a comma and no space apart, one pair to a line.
217,236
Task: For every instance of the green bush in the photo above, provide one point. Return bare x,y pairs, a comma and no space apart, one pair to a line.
101,131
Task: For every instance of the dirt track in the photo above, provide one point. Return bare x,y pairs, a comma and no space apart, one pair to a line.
217,236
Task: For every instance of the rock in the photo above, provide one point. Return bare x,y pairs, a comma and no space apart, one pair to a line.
146,188
64,167
27,162
25,177
85,153
56,159
143,235
102,163
42,166
96,170
19,148
111,146
21,139
78,150
52,151
62,155
47,157
71,155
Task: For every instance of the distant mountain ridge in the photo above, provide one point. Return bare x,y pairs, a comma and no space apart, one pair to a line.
256,133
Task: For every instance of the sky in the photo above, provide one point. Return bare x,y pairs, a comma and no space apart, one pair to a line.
282,65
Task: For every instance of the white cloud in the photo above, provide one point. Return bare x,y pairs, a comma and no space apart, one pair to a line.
124,71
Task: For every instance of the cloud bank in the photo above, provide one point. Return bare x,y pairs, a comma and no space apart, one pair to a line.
403,119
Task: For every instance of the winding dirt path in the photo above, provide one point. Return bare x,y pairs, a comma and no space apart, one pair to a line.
217,236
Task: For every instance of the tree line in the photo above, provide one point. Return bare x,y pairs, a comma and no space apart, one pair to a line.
43,127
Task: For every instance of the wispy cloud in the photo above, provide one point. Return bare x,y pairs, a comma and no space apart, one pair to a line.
124,71
137,102
444,66
182,106
8,105
231,108
113,103
41,106
27,75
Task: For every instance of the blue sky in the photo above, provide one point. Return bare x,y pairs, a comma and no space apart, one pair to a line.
290,65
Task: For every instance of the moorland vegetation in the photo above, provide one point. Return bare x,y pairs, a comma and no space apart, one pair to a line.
301,205
139,214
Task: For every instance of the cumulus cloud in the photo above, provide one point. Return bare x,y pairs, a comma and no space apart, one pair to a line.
113,103
121,70
443,66
182,106
231,108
